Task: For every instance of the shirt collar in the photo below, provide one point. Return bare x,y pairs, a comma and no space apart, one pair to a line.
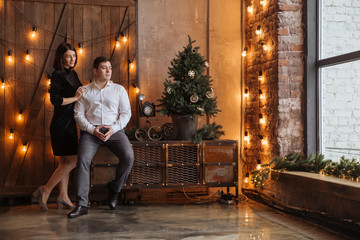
108,84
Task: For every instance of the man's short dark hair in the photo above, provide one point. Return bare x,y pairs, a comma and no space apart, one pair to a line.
99,60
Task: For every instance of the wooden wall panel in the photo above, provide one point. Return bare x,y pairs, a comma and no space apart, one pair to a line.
94,25
3,130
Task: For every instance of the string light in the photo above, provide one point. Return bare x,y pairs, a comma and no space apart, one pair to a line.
258,30
9,54
131,64
246,179
137,89
258,166
263,2
24,146
261,119
27,55
246,137
20,114
117,43
261,94
3,83
261,77
80,48
250,9
11,133
264,46
124,37
34,29
246,93
244,52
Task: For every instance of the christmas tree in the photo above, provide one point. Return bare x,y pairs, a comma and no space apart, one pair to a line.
191,90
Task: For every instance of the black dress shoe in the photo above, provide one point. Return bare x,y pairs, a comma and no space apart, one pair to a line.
78,211
113,197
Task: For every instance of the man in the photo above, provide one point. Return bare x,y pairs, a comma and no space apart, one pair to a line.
102,113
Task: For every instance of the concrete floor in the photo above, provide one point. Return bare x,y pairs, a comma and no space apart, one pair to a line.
247,220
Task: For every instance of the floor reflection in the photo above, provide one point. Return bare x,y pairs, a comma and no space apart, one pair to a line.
247,220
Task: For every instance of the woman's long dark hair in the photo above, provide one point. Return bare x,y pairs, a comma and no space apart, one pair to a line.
58,59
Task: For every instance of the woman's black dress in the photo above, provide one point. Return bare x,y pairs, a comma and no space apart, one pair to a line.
63,131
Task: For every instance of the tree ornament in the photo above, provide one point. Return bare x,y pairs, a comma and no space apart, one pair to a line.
200,109
169,90
206,64
194,98
191,74
210,94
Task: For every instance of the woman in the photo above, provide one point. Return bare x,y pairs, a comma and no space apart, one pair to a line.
65,90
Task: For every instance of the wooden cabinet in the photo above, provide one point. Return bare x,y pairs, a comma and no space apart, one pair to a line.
173,164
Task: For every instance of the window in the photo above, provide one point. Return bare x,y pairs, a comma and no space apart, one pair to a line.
333,78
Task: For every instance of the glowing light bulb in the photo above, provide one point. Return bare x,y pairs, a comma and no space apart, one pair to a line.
261,94
258,166
27,55
263,2
124,37
11,133
3,83
131,64
33,34
80,48
250,9
244,52
24,147
117,43
262,121
261,77
246,137
20,115
246,93
246,179
9,54
258,30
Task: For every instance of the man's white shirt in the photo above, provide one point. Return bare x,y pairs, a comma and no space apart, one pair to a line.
108,106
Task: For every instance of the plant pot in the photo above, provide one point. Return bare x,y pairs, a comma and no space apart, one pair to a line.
186,125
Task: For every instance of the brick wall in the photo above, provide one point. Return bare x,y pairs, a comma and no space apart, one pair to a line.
282,67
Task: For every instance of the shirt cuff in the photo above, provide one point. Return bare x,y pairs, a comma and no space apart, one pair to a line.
115,128
90,130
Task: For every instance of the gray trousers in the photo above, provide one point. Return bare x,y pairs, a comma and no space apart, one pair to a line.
89,144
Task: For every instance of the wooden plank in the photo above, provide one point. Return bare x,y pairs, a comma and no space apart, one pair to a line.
78,37
105,23
88,36
9,74
28,86
134,121
97,33
3,132
117,17
119,3
39,58
49,24
36,104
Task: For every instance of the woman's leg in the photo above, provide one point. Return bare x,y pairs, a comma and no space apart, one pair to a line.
64,183
61,175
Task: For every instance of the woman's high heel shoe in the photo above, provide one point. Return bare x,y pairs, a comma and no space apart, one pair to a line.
38,194
61,202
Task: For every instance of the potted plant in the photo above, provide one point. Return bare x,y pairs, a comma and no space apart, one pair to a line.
188,92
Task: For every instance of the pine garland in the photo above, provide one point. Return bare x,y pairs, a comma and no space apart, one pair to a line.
207,132
316,163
